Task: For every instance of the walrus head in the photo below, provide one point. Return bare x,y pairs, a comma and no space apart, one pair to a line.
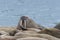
24,17
22,23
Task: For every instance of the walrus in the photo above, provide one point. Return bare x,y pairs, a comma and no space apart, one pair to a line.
51,31
26,22
57,26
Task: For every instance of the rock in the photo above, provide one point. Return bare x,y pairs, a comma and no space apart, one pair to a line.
49,37
4,33
29,34
13,32
34,30
32,38
51,31
22,33
7,37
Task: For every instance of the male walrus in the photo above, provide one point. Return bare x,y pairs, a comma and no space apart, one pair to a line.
25,22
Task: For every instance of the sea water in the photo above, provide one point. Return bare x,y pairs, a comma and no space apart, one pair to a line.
43,12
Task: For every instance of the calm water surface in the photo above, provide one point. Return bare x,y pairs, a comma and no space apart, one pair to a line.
44,12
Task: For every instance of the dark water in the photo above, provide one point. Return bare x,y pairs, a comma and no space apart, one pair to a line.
44,12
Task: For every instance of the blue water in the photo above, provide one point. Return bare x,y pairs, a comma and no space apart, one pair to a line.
44,12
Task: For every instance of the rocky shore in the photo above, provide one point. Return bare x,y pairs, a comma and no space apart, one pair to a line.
11,33
27,29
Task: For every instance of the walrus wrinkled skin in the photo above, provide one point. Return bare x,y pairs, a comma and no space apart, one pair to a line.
25,22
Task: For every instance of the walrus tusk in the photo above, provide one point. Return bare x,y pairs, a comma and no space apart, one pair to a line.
20,22
23,24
